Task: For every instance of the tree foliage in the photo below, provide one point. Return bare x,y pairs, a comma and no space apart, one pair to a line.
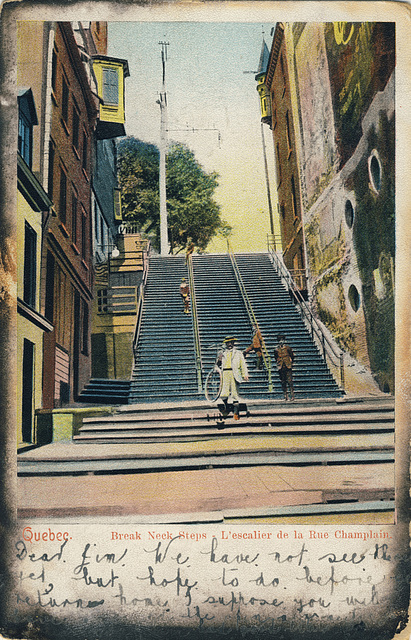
193,215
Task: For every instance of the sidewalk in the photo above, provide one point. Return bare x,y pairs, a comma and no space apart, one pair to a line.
243,490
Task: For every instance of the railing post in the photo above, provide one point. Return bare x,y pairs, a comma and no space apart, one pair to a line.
342,372
270,379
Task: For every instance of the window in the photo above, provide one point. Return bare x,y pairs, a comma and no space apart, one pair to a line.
287,125
65,100
49,304
76,126
84,327
74,200
25,142
102,233
349,213
27,119
30,265
51,169
84,235
110,86
85,151
283,73
278,164
294,197
102,300
354,297
96,220
375,171
54,70
63,196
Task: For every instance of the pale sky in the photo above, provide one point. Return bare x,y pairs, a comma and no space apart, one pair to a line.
209,92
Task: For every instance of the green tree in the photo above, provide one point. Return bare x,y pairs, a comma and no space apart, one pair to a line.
138,172
193,215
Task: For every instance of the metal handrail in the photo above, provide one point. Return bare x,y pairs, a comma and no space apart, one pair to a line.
317,332
140,302
196,330
139,314
251,314
119,299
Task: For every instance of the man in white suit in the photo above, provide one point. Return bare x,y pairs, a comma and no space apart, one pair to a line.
234,368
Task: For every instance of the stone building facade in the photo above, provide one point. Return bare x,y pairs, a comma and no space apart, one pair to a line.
342,94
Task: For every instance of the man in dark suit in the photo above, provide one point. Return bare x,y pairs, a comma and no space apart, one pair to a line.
284,356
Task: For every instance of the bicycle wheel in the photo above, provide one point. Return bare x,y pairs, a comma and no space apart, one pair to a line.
213,385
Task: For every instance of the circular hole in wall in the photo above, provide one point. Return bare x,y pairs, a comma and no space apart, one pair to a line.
374,170
349,213
354,297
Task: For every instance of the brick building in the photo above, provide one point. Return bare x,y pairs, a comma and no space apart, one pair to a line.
279,89
67,254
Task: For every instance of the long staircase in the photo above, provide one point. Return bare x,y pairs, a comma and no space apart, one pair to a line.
165,366
165,356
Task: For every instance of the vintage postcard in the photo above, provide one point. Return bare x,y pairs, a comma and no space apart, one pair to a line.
205,320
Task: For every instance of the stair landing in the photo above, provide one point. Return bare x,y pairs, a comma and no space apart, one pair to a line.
311,460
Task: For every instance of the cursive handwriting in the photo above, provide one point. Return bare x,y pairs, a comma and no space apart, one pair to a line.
270,583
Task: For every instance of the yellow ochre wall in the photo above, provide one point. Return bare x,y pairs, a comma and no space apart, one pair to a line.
25,328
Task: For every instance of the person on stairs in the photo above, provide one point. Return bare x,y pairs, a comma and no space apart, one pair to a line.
185,294
234,370
256,346
284,356
189,250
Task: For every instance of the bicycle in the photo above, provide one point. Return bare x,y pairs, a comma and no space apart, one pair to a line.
214,380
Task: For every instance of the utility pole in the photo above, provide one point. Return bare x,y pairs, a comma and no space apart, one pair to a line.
164,245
